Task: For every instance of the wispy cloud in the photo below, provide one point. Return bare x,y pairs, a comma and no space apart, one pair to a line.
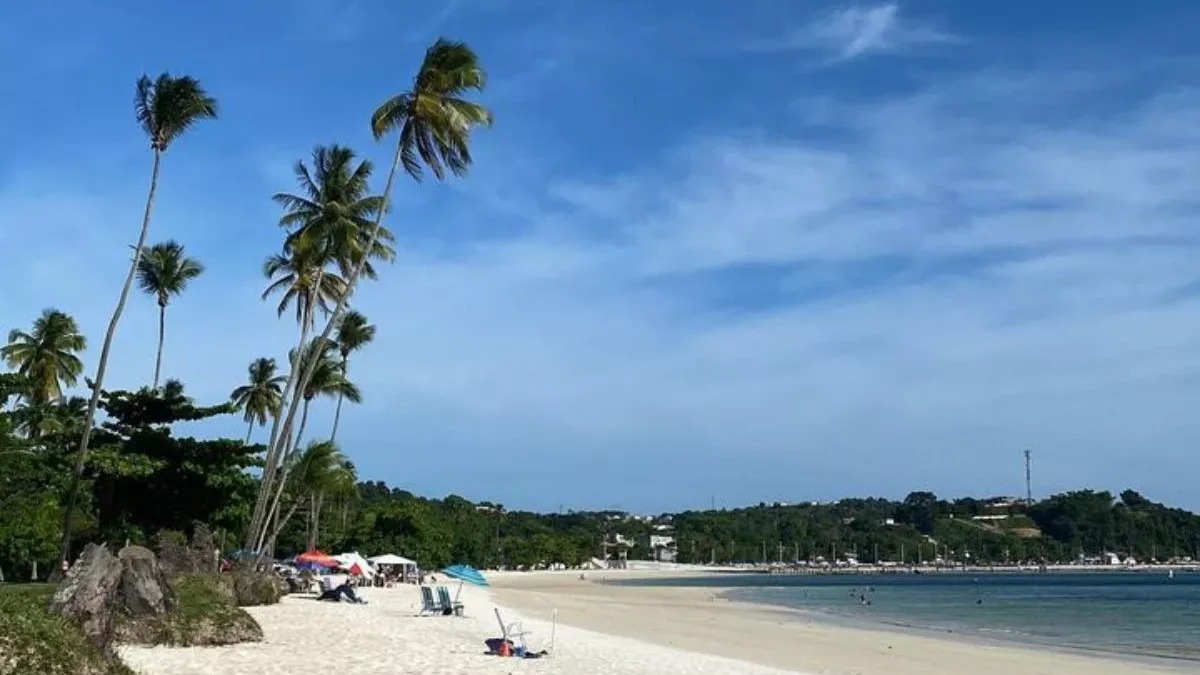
858,31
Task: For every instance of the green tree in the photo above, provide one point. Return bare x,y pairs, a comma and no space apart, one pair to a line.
353,333
299,274
163,271
165,108
434,121
47,356
259,398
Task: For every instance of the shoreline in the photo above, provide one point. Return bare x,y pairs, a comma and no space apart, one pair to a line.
698,620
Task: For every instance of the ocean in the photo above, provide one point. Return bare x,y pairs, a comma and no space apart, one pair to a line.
1146,614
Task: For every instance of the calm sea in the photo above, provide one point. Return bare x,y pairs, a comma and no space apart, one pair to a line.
1143,613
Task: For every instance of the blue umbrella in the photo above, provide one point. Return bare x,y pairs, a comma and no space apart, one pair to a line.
465,573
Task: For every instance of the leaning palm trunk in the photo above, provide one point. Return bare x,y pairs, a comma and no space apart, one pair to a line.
337,413
293,392
162,332
276,451
292,444
102,365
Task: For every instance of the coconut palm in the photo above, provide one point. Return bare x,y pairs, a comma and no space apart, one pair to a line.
165,108
434,122
299,274
353,333
320,467
165,270
328,379
47,356
259,398
334,209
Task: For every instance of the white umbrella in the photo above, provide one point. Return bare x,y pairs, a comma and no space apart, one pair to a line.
349,560
391,559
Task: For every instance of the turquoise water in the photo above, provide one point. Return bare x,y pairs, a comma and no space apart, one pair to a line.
1147,614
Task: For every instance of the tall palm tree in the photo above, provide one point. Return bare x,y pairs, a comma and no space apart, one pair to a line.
299,274
434,121
318,468
47,356
165,108
163,271
259,398
353,333
328,379
334,209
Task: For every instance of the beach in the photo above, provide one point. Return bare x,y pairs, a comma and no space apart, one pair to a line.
602,627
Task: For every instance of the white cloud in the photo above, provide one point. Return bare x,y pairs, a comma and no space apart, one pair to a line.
857,31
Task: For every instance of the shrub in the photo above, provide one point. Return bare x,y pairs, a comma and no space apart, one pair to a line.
256,588
32,640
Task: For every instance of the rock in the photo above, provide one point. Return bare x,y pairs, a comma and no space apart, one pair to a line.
252,589
174,555
203,549
89,595
34,641
205,616
144,588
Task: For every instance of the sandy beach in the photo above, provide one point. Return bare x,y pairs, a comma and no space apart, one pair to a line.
602,627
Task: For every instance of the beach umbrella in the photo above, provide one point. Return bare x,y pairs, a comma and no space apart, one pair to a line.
318,558
464,574
391,559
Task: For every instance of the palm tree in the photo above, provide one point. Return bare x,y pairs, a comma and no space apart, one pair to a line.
164,270
46,357
260,397
165,108
299,273
328,379
318,468
434,122
353,333
334,209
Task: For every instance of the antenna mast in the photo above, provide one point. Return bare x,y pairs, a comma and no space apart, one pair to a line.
1028,481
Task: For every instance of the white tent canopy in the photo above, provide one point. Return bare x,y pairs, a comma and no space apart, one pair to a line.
392,559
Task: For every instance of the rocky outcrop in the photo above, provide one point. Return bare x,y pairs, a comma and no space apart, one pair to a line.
252,589
205,616
144,588
127,598
89,596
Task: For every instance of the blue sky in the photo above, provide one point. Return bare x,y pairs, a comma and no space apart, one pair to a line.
744,251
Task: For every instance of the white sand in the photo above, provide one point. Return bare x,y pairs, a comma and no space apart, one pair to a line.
659,631
385,636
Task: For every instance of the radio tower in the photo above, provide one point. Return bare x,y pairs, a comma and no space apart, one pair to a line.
1028,482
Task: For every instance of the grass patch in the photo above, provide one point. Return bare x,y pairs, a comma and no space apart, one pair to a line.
32,640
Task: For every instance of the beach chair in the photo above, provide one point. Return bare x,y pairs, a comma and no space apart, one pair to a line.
512,631
448,606
429,606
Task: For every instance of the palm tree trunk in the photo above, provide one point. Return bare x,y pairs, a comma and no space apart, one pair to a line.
162,332
337,415
279,525
102,365
276,448
303,423
293,391
317,518
312,522
249,432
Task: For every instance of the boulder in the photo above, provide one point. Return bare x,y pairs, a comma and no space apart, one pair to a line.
203,549
205,616
144,588
89,595
174,555
252,588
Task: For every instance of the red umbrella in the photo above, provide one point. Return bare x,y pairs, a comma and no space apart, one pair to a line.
318,558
